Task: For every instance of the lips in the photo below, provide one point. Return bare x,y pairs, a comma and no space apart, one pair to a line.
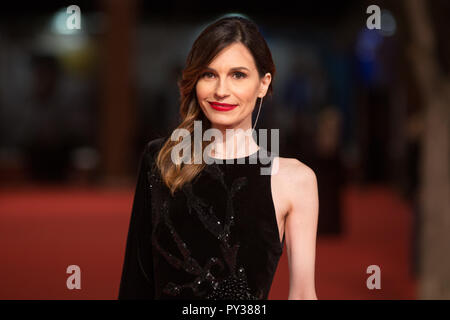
222,106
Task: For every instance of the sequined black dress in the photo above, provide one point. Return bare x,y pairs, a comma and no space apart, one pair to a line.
216,238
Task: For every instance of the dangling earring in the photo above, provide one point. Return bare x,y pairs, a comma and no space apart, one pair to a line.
259,109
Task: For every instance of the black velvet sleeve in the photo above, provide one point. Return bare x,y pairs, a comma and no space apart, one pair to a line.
137,280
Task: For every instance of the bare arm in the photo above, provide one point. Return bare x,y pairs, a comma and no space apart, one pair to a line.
301,230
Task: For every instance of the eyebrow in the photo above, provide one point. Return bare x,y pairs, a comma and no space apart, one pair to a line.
232,69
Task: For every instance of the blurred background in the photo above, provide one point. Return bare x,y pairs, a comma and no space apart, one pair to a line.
367,110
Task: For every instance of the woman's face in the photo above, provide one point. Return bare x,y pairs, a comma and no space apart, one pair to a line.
232,80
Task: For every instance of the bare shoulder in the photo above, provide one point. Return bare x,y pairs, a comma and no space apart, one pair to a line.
295,181
293,172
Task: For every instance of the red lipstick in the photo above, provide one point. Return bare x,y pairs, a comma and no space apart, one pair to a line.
222,106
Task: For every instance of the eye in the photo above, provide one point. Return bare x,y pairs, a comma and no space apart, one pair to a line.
239,75
208,75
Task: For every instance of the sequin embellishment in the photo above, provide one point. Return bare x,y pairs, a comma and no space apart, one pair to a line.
205,284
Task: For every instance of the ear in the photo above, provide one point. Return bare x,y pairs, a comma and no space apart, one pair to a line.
264,86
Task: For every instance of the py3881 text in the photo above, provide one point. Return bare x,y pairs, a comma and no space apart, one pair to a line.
246,309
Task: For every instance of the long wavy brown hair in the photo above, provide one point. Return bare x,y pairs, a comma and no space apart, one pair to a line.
213,39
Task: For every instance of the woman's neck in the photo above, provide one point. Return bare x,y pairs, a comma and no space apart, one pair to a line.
236,143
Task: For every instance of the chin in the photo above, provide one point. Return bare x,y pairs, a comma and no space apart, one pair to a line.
222,119
222,122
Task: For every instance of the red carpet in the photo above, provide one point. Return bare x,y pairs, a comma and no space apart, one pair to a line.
43,230
378,229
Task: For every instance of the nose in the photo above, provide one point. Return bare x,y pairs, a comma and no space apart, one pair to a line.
221,89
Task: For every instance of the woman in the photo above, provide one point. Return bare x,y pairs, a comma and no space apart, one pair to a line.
217,231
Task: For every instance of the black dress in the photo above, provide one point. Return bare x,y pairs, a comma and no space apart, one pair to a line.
216,238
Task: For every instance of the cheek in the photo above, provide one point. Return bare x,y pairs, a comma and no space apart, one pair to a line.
203,90
246,92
